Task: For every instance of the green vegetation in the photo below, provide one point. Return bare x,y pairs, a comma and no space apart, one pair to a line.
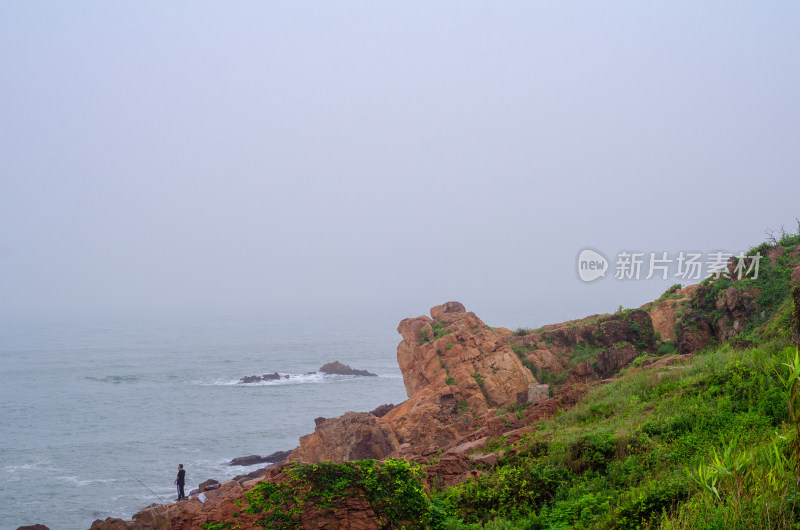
450,381
439,331
217,526
672,289
667,348
425,336
705,445
393,489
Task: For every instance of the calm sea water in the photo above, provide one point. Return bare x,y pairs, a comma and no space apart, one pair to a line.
87,410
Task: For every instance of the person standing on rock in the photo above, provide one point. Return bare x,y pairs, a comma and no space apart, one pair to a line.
179,480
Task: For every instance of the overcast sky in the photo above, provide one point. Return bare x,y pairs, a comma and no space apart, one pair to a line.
184,157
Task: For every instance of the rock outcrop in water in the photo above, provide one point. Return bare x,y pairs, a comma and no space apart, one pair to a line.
275,458
258,378
337,368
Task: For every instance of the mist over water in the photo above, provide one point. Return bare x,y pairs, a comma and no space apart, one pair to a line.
88,410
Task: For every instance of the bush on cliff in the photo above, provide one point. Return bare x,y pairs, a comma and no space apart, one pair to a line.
392,488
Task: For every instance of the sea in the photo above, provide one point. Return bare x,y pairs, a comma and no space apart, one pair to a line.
96,415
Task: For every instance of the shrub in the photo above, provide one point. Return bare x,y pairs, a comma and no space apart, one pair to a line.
667,348
393,489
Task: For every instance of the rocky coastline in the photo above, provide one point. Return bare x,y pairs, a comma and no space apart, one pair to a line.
466,384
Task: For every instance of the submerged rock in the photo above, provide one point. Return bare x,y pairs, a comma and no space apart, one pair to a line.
258,378
337,368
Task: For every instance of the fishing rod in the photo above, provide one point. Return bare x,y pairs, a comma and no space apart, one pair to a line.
145,486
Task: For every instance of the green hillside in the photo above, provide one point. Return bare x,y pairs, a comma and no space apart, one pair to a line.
708,440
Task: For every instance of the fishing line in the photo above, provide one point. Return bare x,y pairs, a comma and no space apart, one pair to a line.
145,486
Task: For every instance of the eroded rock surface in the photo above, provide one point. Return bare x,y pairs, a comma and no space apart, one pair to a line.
454,367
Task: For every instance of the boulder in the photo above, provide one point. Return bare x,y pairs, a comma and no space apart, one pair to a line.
33,527
448,312
537,392
489,459
463,356
795,278
247,460
694,334
210,482
352,436
278,457
337,368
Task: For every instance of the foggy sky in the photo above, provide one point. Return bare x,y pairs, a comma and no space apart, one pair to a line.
161,158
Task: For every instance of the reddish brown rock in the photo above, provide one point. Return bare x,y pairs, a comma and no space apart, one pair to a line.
352,436
448,312
665,314
694,335
737,307
353,513
337,368
773,253
796,275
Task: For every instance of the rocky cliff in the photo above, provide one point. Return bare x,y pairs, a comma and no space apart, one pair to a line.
454,367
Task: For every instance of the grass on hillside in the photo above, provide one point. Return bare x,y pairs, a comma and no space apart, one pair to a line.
703,444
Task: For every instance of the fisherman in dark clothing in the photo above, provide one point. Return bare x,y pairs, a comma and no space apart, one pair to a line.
179,480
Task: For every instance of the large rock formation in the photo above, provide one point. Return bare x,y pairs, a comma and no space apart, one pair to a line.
454,368
589,349
454,352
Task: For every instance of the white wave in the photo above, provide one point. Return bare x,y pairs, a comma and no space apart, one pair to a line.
114,379
286,379
34,466
295,379
75,481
